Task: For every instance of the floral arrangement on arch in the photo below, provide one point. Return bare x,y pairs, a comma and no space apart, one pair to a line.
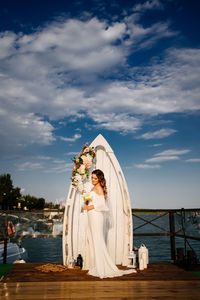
82,165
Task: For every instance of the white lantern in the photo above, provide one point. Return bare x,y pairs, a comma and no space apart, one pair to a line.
141,264
132,260
143,255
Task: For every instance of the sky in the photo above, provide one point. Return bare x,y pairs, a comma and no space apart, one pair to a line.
129,70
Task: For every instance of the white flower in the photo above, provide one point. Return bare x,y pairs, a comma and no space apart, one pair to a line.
87,196
80,172
87,157
81,169
80,187
77,177
87,161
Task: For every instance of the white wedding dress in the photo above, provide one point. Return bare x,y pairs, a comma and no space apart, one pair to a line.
101,264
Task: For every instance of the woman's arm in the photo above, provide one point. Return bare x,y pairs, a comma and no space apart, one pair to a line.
88,207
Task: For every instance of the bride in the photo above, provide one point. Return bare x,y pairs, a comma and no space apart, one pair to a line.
101,264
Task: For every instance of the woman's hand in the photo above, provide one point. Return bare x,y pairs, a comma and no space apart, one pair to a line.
85,207
88,207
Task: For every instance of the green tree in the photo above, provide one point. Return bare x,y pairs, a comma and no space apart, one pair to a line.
31,202
9,195
51,205
40,203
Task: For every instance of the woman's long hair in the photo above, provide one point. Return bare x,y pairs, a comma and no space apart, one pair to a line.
102,181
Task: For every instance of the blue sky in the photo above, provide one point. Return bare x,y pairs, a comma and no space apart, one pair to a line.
129,70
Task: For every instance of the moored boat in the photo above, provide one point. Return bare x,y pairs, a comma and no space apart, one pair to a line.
15,253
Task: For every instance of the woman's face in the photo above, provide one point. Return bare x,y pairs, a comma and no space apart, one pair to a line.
95,179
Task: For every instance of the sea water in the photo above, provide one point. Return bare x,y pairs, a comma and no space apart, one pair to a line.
50,249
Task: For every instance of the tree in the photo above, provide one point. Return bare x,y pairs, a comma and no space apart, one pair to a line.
9,195
31,202
40,203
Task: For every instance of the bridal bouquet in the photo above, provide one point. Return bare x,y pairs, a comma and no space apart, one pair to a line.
87,197
82,165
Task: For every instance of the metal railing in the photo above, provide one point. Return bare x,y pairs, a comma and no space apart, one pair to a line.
41,224
173,231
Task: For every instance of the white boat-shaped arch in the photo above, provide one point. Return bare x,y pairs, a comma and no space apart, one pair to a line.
119,236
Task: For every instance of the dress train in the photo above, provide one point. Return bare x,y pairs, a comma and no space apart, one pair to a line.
101,264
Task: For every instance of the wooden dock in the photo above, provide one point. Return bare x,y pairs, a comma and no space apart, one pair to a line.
159,281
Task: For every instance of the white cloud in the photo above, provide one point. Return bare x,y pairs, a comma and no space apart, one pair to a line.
60,168
172,152
161,88
19,130
43,157
56,73
193,160
159,134
148,5
72,139
71,153
7,43
147,166
75,45
156,145
161,159
121,122
29,166
167,155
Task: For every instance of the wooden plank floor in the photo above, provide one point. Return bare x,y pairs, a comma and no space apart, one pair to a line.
159,281
156,271
118,290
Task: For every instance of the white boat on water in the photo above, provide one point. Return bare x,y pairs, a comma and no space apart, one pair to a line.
15,253
57,228
119,238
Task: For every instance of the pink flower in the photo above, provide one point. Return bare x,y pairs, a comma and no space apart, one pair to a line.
87,164
87,160
81,170
86,150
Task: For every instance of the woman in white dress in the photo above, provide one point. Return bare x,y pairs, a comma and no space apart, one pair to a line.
101,264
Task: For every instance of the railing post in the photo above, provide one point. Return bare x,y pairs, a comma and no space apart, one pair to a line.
5,251
6,238
172,236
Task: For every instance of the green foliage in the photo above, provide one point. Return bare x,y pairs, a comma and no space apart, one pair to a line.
9,195
31,202
51,205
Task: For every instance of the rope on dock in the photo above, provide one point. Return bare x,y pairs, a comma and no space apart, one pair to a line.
51,268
